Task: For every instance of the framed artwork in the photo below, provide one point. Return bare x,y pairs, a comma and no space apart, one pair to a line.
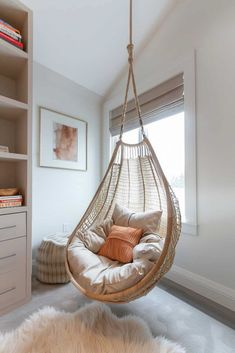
63,141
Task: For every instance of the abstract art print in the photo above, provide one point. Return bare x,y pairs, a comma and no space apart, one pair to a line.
63,141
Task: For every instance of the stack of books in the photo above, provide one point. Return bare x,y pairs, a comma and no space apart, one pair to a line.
11,201
4,149
10,34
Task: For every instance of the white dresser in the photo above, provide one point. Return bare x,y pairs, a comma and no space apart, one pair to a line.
13,261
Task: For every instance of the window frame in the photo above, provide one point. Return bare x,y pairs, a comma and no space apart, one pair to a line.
186,66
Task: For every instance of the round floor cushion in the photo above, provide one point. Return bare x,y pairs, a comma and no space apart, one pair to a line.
50,259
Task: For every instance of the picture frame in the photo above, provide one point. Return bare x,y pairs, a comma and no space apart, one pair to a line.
63,141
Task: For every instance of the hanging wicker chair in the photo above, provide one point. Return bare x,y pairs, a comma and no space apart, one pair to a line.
135,180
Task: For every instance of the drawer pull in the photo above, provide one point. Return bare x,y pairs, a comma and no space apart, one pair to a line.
8,227
8,290
7,257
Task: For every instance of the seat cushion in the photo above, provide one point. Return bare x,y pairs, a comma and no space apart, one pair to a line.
100,275
120,242
148,221
149,251
95,237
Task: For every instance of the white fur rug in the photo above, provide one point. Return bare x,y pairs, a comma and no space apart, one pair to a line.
92,329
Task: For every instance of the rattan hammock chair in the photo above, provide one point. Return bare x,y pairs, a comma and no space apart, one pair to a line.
134,179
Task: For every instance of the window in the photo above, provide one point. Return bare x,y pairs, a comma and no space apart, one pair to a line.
168,112
168,140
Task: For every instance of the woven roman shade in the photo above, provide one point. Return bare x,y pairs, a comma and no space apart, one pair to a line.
161,101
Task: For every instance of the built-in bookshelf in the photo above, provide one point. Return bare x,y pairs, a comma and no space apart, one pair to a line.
15,165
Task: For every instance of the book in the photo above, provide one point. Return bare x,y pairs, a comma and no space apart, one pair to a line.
9,26
11,201
11,198
4,149
11,204
11,40
10,33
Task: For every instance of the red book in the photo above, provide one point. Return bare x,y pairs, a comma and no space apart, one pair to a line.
6,201
11,40
11,204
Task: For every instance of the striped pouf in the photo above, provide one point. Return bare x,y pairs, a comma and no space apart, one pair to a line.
50,259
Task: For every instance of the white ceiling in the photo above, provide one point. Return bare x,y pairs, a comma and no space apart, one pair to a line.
85,40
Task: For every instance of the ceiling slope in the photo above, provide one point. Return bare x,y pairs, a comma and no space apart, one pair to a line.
85,40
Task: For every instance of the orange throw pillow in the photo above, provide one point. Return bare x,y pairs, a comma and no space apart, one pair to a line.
120,243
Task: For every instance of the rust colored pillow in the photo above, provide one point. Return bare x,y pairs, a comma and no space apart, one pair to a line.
120,243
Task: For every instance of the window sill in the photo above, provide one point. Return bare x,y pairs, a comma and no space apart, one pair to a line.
189,228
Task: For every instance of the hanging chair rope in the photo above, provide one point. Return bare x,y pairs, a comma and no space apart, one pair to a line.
131,78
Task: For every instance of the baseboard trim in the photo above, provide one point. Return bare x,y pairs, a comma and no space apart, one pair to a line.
207,288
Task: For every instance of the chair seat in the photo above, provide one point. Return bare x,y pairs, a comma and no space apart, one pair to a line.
105,276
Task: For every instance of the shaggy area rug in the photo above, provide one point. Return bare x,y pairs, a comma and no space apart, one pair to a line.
92,329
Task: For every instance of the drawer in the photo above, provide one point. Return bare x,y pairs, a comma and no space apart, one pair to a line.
12,255
12,226
12,271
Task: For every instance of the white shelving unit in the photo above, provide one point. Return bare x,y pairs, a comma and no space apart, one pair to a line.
4,211
12,104
13,157
15,166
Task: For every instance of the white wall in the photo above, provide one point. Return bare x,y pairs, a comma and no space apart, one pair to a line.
204,263
61,196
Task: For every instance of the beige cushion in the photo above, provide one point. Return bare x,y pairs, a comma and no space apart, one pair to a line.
151,238
148,221
150,247
102,274
148,251
95,237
